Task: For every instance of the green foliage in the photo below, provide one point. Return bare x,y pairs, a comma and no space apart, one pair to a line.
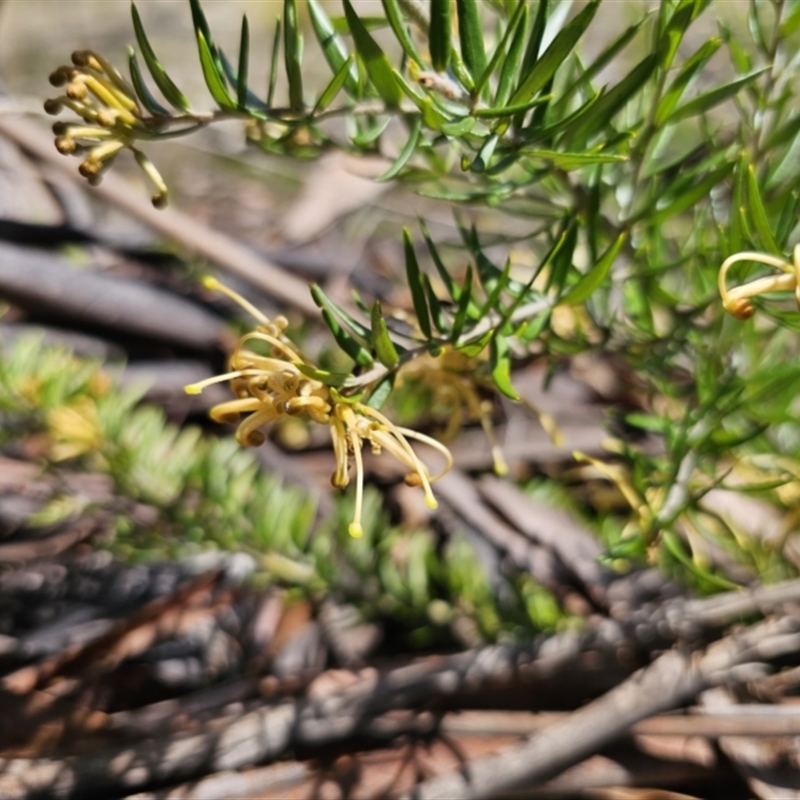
635,170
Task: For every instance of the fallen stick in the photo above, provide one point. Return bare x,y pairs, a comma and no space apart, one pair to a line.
673,679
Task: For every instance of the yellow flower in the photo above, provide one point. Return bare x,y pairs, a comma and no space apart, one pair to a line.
454,383
737,300
270,386
112,119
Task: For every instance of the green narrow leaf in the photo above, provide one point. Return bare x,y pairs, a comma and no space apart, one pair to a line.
500,50
398,25
334,87
561,259
415,285
500,361
140,87
323,375
447,279
432,117
333,46
381,393
713,97
493,297
405,154
570,161
759,214
346,342
293,54
361,332
602,61
673,35
470,35
439,35
375,61
601,113
596,275
253,103
173,95
563,44
215,80
518,25
381,340
273,63
508,111
699,191
535,39
788,218
244,57
437,315
462,309
688,70
200,23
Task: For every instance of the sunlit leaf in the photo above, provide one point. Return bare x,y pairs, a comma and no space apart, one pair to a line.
293,54
381,340
333,47
439,36
171,92
583,289
415,285
405,154
470,34
500,360
377,64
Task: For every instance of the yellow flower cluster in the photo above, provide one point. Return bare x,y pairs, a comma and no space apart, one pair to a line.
282,383
112,119
737,300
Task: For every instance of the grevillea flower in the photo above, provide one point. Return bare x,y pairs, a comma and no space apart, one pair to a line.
737,300
112,119
281,382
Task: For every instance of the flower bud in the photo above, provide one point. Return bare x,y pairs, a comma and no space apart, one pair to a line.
65,145
60,128
160,201
106,117
80,58
90,167
60,76
52,107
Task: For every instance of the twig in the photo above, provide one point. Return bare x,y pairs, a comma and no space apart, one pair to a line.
670,681
194,236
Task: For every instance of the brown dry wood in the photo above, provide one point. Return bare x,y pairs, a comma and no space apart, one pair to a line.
45,282
735,720
58,542
671,680
196,237
268,732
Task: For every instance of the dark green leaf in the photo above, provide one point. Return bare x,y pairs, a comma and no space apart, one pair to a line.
507,111
462,309
171,92
375,61
346,342
499,53
493,298
500,361
273,63
612,101
596,275
254,104
415,285
788,218
140,87
470,34
244,56
333,46
214,78
688,70
561,260
398,24
437,315
563,44
518,25
447,280
713,97
366,137
691,197
439,36
334,87
406,153
293,54
360,331
381,341
759,214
